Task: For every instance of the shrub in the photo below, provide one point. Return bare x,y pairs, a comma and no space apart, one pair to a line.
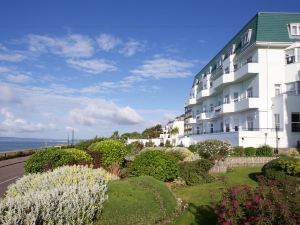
109,152
250,151
149,144
84,145
272,202
157,164
192,148
238,151
179,152
290,167
137,200
49,159
294,152
275,169
66,195
168,144
196,172
213,149
264,150
135,147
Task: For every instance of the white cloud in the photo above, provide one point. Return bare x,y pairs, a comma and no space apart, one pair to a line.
8,95
132,47
105,112
19,125
94,66
108,42
12,57
19,78
74,45
165,68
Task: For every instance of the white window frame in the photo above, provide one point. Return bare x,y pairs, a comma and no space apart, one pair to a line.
297,25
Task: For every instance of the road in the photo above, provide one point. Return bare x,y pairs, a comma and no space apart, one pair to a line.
10,171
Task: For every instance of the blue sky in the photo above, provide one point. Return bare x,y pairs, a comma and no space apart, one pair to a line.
99,66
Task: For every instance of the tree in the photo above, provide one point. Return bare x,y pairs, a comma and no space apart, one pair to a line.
174,131
115,135
152,132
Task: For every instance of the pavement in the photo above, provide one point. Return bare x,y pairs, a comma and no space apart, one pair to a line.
10,171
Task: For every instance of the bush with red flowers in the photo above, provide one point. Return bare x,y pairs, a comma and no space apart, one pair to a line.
272,202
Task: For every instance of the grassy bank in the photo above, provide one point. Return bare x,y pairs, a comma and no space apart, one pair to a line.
202,197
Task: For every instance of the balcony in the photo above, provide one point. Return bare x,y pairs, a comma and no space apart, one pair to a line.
238,106
205,116
190,101
246,71
205,93
191,120
223,80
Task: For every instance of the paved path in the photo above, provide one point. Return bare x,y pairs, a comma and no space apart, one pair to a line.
10,170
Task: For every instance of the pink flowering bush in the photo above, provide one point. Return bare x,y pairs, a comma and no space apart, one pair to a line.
272,202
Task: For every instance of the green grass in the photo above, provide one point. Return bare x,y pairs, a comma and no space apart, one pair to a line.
202,197
137,201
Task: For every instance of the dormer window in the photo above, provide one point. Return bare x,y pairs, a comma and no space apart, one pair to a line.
290,56
246,38
219,63
295,29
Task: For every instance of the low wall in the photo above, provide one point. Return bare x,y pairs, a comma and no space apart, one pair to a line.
222,166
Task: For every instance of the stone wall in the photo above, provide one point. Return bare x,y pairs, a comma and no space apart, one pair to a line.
222,166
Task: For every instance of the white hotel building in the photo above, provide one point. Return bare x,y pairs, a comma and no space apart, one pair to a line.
249,93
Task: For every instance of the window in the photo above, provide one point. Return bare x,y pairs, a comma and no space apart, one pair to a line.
295,121
221,127
236,125
250,92
204,108
219,63
250,60
235,96
277,89
250,123
295,29
211,84
227,126
290,56
246,38
211,106
235,67
198,130
277,121
226,99
226,70
211,128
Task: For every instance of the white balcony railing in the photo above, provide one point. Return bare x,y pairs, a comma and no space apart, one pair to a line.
191,101
224,79
242,105
191,120
205,116
246,70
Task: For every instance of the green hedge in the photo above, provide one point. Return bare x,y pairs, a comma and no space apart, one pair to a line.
196,172
275,169
264,150
250,151
49,159
155,163
238,151
108,152
137,200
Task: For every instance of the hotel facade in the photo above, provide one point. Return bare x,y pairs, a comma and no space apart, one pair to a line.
249,93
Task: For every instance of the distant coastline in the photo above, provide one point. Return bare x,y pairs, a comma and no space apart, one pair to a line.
11,144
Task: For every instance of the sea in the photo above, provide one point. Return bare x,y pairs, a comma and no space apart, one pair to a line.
8,144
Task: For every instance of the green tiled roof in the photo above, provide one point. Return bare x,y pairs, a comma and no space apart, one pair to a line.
267,27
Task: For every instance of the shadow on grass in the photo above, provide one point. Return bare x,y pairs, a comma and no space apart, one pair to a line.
204,214
253,176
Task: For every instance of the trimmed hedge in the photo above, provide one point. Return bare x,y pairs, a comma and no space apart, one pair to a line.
157,164
264,150
49,159
137,200
108,152
238,151
274,170
250,151
196,172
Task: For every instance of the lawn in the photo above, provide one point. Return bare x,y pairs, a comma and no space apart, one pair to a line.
202,197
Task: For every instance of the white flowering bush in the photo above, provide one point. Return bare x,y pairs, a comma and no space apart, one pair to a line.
213,149
179,152
66,195
194,156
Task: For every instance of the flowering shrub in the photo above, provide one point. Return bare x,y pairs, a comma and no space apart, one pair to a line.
49,159
110,152
213,149
179,152
290,167
155,163
66,195
196,172
272,202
